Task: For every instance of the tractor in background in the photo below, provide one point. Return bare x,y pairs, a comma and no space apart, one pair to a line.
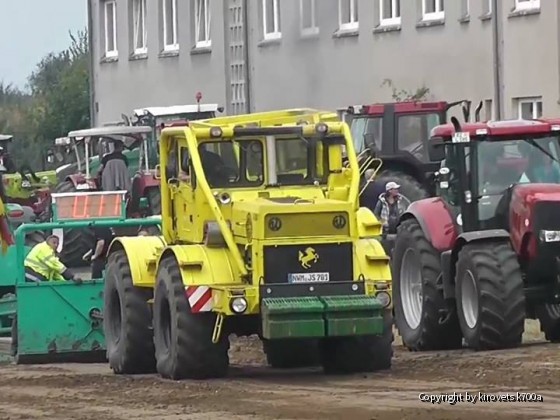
262,234
24,186
481,256
398,133
94,143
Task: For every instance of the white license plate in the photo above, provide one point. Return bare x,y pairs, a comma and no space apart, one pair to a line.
308,277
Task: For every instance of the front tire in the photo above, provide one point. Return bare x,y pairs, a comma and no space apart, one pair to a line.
183,340
549,318
418,298
490,296
127,320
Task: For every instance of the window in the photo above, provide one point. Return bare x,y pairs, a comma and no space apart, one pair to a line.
348,14
139,26
110,19
529,108
271,19
432,10
390,12
413,133
527,4
170,41
202,23
300,161
307,16
367,132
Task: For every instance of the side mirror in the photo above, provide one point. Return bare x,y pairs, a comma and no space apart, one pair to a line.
50,158
369,140
436,151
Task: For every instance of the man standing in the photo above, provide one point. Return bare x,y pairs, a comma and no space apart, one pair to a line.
42,264
103,238
390,206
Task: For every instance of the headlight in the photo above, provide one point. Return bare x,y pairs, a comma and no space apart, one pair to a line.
549,235
216,132
238,305
384,298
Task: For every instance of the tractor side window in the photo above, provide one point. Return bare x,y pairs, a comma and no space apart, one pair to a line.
291,160
367,132
172,168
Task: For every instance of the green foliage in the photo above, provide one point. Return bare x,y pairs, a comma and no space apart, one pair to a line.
401,95
58,102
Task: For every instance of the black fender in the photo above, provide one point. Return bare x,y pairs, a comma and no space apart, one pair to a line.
449,258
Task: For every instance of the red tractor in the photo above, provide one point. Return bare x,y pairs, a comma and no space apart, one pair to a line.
398,133
483,255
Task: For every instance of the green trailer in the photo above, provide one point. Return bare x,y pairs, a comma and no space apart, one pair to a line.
59,321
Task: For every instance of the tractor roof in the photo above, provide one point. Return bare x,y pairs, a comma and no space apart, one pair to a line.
500,128
6,137
160,111
399,107
115,130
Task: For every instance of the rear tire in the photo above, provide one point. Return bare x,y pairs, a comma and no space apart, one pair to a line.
418,312
291,353
490,296
127,320
410,187
344,355
183,340
76,241
549,318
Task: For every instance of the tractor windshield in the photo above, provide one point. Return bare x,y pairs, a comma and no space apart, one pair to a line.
526,160
366,131
232,164
300,161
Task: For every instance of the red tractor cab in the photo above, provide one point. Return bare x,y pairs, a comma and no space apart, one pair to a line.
398,133
483,255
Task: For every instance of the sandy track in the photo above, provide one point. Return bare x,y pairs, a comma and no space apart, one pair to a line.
253,391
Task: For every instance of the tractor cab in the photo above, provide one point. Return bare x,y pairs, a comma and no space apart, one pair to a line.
488,168
399,134
96,144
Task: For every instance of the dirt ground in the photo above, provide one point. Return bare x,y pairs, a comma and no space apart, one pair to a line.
254,391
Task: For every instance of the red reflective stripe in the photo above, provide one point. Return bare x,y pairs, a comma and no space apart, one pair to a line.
202,301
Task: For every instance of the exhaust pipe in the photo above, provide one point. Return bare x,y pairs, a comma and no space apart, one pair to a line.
456,124
467,110
477,112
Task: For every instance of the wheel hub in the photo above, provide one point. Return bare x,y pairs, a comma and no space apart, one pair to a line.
411,288
469,299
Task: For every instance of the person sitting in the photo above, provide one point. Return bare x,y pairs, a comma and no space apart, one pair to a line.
42,264
390,206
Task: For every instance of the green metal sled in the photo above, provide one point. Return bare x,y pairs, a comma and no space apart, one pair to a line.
59,321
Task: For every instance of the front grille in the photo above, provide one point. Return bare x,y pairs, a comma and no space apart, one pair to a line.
282,260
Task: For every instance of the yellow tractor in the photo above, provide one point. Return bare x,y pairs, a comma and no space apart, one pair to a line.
262,234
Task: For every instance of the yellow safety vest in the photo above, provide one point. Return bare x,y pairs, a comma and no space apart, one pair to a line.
43,260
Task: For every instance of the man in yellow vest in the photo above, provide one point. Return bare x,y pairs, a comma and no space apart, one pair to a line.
42,264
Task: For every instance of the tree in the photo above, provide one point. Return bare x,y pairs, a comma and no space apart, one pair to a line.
400,95
57,104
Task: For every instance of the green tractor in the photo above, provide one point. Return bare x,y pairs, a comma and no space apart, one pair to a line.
24,186
60,321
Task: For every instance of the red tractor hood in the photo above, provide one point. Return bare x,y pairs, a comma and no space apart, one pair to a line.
533,193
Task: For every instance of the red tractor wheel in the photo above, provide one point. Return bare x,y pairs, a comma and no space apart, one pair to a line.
418,299
490,296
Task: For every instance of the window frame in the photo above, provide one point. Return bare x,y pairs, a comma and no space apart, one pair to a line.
394,19
175,45
313,29
202,40
527,4
139,6
534,100
115,51
276,30
439,14
354,23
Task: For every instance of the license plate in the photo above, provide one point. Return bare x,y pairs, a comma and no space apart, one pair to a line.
308,277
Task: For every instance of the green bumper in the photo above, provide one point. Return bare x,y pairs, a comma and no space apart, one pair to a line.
316,317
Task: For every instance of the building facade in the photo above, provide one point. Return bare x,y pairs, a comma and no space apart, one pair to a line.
255,55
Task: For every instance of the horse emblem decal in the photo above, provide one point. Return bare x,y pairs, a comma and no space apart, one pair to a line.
307,257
